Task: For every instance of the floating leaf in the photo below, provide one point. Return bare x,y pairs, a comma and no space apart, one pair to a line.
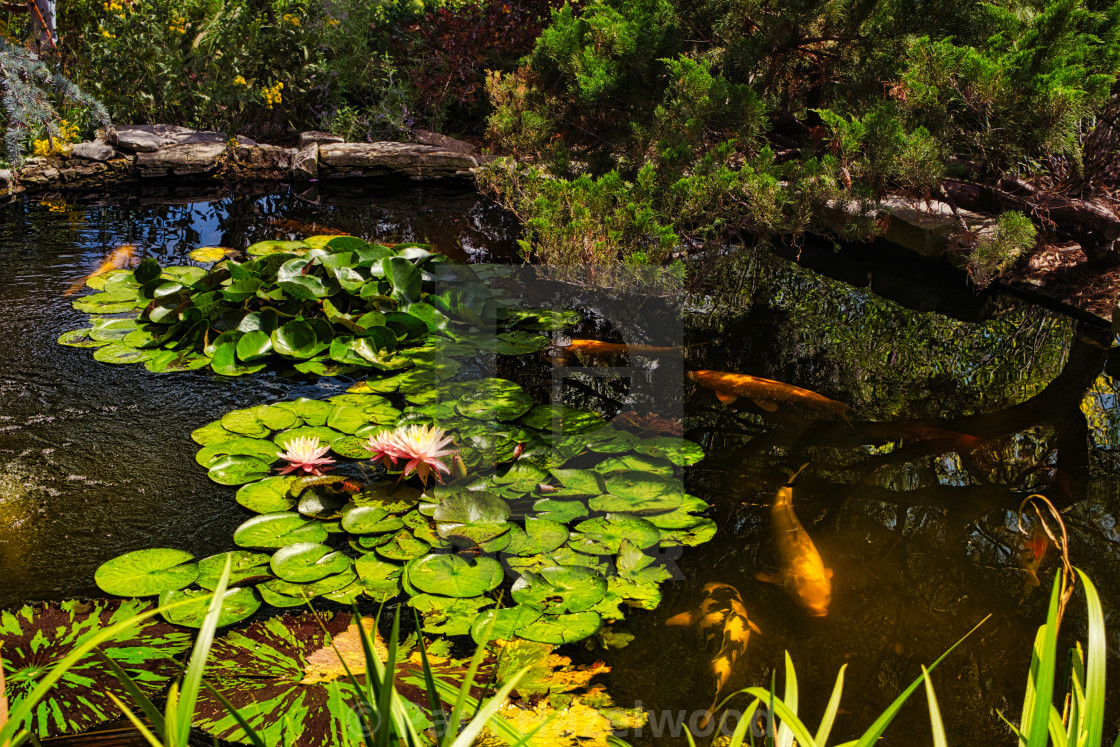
677,450
143,573
79,338
378,579
604,535
493,399
238,470
38,637
307,561
560,511
212,433
211,253
538,536
277,530
237,604
403,546
269,495
558,629
635,492
558,590
503,624
245,568
454,575
448,615
562,418
521,343
254,447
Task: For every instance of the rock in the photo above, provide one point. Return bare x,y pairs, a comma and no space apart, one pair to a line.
150,138
426,137
305,163
5,177
409,159
316,137
179,160
94,151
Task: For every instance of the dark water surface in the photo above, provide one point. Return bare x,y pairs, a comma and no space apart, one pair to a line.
912,503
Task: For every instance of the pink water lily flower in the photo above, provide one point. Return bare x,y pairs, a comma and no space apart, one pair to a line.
423,446
383,446
420,445
304,453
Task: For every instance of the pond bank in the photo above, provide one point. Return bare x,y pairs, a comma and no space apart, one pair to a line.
151,155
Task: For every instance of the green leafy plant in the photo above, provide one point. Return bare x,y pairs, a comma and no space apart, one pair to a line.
994,254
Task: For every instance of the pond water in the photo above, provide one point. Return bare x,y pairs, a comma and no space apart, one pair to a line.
911,501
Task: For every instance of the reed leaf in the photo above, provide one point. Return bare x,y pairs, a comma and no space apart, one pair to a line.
1095,672
1036,715
935,722
785,734
825,729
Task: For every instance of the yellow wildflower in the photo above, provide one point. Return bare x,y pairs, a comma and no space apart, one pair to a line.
272,95
41,148
292,19
240,81
332,21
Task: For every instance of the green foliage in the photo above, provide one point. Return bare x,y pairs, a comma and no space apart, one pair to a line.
994,254
755,118
33,95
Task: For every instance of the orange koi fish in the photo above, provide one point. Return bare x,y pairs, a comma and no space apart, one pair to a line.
1031,557
765,393
117,259
721,615
803,572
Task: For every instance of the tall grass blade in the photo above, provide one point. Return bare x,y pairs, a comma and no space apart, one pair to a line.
439,718
1075,695
192,681
935,722
467,736
151,712
825,729
385,701
498,725
1035,724
785,734
375,673
136,722
779,709
171,716
472,670
1095,672
876,730
1056,729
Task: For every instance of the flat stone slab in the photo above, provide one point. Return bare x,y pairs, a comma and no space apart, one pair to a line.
95,150
426,137
150,138
318,137
305,163
405,158
180,160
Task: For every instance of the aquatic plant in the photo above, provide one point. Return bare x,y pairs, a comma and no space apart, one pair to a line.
328,305
39,637
420,445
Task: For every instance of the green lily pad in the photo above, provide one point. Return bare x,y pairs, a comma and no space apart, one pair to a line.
238,470
263,248
258,421
307,561
560,511
521,343
504,623
266,451
697,534
454,575
493,399
310,411
246,568
114,330
211,253
311,589
144,573
605,535
379,579
119,353
448,615
474,515
578,482
237,604
560,590
635,463
403,546
558,629
325,435
679,451
562,418
79,338
538,536
212,433
363,519
277,530
634,492
269,495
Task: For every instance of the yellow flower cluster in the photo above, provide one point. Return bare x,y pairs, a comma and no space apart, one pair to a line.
240,81
114,6
332,21
107,35
292,19
272,95
67,133
178,25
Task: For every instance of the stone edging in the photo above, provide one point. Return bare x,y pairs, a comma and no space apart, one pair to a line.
137,152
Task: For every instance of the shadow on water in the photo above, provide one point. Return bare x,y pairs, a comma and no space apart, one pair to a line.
912,503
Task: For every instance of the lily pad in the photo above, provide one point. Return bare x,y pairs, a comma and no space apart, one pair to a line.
212,433
237,604
538,536
238,470
246,568
679,451
117,352
403,546
605,535
505,622
558,629
521,343
277,530
243,446
307,561
634,492
448,615
269,495
454,575
143,573
562,418
378,579
560,590
79,338
560,511
493,399
37,637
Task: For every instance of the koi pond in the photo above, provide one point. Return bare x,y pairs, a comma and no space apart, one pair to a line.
905,440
